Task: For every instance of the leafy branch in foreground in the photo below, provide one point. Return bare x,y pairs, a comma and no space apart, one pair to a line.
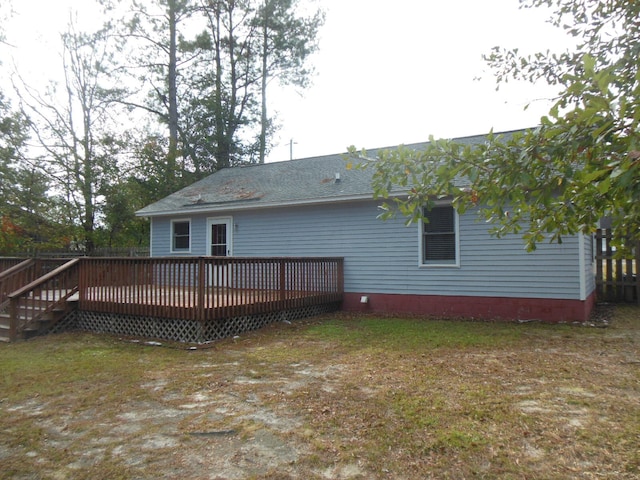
581,164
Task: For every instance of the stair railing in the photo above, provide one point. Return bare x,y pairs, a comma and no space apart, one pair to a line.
8,262
14,278
22,273
48,293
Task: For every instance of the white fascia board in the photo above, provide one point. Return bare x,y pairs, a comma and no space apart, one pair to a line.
253,206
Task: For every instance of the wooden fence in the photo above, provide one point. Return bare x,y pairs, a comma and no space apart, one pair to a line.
617,278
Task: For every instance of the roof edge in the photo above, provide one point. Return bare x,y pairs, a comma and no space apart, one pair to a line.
228,208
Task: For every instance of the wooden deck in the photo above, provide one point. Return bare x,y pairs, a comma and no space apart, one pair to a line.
207,288
185,303
193,290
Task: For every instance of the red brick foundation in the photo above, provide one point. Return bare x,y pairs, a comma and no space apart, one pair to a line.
487,308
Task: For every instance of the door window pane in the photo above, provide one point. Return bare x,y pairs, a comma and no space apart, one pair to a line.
219,240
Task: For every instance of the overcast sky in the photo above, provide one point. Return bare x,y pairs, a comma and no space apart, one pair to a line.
386,73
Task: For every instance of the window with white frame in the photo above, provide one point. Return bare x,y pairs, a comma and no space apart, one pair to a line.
180,235
439,236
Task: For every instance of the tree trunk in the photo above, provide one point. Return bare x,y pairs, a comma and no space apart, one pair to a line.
222,149
173,94
263,117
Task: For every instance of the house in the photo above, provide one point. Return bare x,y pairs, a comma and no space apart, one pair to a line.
318,207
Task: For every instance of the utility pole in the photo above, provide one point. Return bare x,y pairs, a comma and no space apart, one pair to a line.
291,143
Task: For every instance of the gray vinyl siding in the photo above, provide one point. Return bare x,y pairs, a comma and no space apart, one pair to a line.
383,257
161,236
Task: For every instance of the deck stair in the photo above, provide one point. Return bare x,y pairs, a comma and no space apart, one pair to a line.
37,318
30,307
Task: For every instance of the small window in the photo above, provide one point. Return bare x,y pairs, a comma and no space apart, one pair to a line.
439,236
181,235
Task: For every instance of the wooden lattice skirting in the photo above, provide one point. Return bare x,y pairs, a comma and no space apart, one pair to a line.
188,331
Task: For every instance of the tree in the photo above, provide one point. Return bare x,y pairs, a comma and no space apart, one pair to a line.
6,11
25,220
252,42
581,164
210,85
23,200
224,92
24,204
75,129
156,52
121,227
13,134
287,41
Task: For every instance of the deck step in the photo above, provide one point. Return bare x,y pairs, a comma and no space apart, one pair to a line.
35,328
4,332
4,325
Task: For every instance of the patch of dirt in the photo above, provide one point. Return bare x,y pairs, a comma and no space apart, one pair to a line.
558,405
218,432
602,315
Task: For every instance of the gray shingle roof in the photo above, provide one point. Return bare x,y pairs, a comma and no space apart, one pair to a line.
303,181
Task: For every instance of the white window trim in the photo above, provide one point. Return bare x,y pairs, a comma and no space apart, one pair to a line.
456,226
171,237
230,228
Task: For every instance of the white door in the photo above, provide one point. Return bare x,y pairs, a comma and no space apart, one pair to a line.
219,244
219,231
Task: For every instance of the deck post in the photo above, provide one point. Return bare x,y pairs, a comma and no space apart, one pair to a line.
340,277
283,282
83,284
13,320
201,287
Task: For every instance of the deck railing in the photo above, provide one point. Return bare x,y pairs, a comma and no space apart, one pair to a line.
7,262
21,273
207,288
38,299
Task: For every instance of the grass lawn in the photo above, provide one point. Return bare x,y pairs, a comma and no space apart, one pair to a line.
344,397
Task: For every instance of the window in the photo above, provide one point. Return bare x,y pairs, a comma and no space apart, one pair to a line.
439,236
180,235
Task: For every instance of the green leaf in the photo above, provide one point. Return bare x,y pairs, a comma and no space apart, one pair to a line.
589,64
595,175
604,186
617,172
